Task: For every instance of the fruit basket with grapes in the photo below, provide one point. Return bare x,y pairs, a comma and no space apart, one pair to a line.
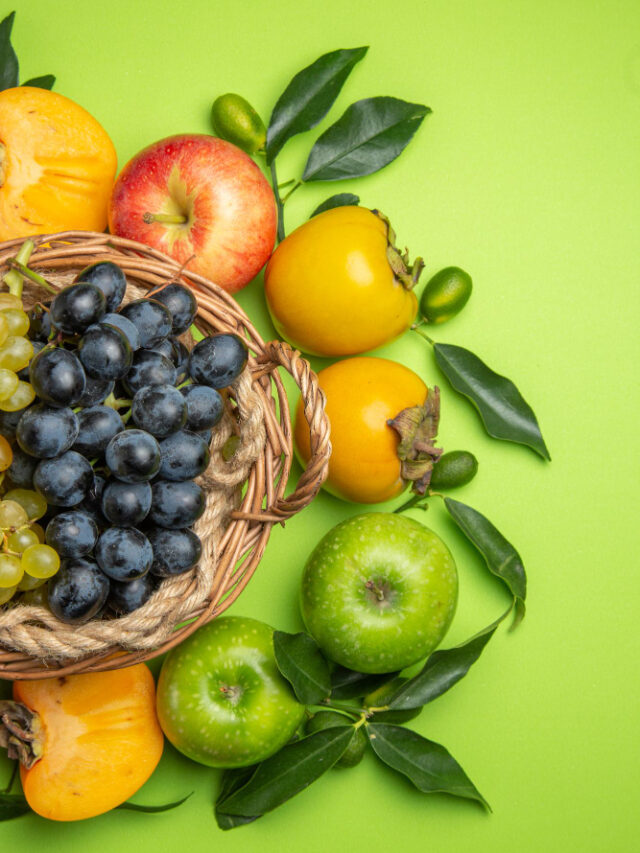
145,448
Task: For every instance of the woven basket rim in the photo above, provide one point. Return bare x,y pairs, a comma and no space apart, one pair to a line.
264,503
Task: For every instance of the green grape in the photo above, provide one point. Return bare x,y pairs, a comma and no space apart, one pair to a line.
4,328
15,353
38,597
11,570
17,320
6,593
23,396
39,531
8,380
21,539
33,504
40,561
9,300
28,583
12,514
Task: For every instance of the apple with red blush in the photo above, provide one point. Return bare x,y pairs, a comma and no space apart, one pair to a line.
203,202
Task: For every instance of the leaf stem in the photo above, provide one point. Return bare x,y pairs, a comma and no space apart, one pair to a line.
342,709
14,773
291,191
419,501
279,208
286,183
422,334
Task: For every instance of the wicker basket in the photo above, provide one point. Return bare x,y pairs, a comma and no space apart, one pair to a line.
245,496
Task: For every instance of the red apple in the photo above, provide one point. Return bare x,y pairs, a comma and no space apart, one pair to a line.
198,196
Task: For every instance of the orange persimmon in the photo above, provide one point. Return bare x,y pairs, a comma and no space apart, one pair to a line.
57,165
97,740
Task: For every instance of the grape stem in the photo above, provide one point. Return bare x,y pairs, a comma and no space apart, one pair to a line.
31,275
13,279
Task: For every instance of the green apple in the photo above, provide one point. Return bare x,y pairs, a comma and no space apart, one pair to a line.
222,700
379,592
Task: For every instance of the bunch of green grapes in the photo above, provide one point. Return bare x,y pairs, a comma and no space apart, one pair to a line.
26,563
16,351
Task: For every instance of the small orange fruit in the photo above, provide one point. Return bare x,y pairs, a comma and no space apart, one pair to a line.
57,165
363,395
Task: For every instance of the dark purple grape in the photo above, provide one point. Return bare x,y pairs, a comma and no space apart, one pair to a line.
76,307
95,391
151,319
105,352
125,326
45,431
185,456
148,368
217,361
126,504
23,374
133,456
128,596
174,551
167,348
39,322
159,409
205,407
57,376
9,421
92,503
182,364
124,553
65,480
176,504
97,425
72,534
109,278
181,304
21,469
78,592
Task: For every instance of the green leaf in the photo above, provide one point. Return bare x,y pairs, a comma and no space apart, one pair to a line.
338,200
349,684
302,663
427,764
288,772
369,135
12,806
44,82
232,780
504,412
8,58
165,807
309,96
500,556
442,670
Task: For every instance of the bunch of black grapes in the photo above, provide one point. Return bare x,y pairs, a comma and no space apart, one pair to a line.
119,430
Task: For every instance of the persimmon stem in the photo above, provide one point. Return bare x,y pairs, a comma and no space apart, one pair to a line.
165,218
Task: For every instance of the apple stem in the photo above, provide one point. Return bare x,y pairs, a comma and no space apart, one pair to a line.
165,218
375,589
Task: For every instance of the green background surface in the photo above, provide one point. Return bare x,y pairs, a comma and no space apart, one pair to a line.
527,175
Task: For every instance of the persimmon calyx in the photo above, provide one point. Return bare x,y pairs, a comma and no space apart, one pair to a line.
417,427
19,733
405,272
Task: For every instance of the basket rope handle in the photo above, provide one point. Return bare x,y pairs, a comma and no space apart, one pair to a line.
281,354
